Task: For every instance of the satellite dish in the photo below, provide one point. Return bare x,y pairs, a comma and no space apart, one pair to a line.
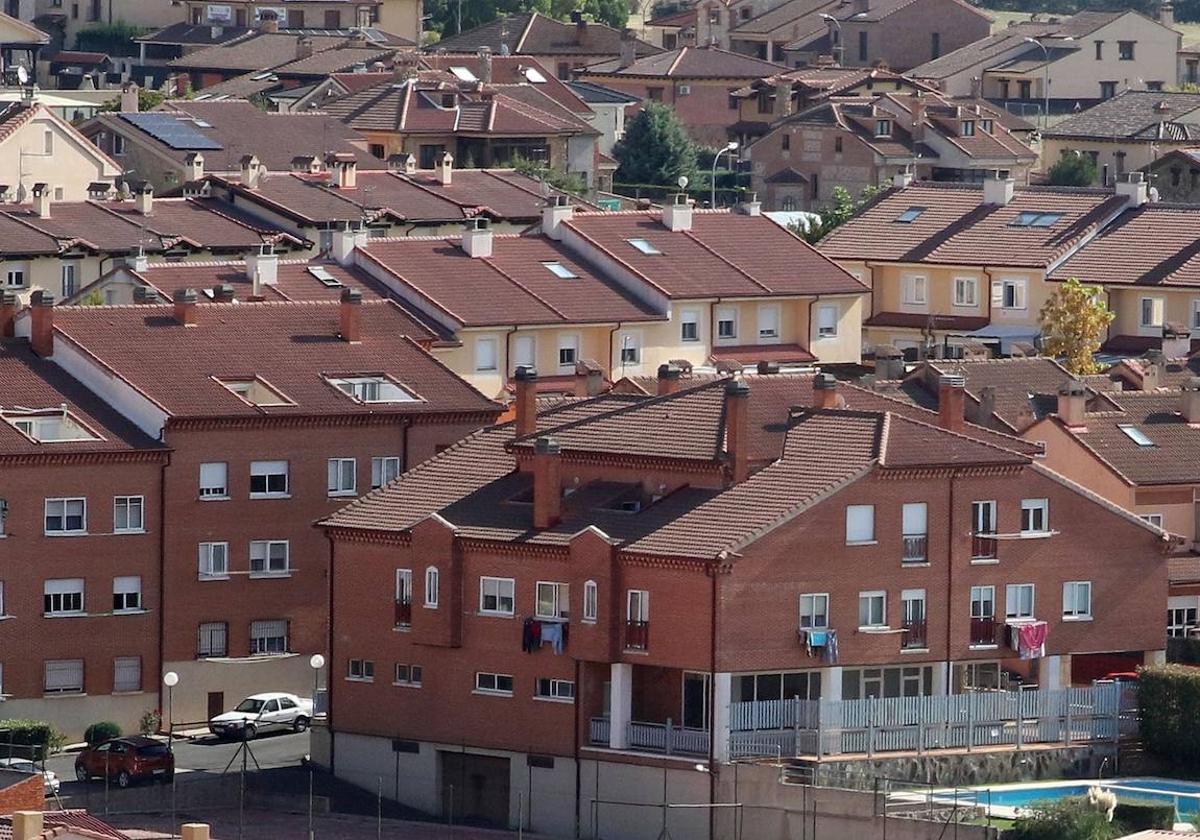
22,75
683,182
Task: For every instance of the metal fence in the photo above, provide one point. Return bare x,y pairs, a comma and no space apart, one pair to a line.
653,737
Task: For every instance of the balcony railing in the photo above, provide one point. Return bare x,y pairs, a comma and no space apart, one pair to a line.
915,635
985,631
637,635
983,548
403,613
652,737
915,548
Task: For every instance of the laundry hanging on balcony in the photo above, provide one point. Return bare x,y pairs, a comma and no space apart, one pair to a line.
821,643
1028,639
535,633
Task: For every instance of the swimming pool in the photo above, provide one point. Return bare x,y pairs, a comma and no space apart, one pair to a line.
1013,800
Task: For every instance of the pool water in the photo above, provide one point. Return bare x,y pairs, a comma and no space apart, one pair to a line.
1184,795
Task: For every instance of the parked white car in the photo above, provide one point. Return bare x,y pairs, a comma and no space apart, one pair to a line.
24,765
269,712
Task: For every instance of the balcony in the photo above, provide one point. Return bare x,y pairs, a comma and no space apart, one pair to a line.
915,635
637,635
983,547
916,548
403,613
652,737
985,632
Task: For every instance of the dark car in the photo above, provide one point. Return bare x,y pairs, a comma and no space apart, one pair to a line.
126,760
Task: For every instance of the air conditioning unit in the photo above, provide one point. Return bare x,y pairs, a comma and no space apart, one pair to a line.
685,90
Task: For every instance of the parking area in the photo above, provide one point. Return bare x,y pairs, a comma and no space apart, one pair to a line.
262,825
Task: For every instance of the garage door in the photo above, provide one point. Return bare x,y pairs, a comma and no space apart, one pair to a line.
475,788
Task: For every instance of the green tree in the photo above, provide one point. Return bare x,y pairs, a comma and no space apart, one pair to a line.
834,215
614,13
1069,819
656,148
558,178
1073,322
1072,170
443,14
148,100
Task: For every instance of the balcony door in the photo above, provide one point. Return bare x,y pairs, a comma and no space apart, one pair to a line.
695,700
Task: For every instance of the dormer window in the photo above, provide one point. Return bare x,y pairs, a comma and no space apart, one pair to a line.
645,246
986,126
255,391
561,271
967,129
883,128
371,389
49,426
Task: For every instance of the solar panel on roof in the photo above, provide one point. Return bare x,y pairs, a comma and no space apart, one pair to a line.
168,129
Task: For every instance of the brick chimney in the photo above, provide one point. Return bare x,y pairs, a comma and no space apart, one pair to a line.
41,327
951,401
783,98
268,25
223,293
41,201
27,825
737,433
987,405
444,170
1072,403
1189,406
350,315
558,209
889,362
825,391
525,386
547,483
10,304
677,214
304,48
194,831
668,379
918,119
185,307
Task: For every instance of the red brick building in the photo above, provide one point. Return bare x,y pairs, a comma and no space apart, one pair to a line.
611,575
274,412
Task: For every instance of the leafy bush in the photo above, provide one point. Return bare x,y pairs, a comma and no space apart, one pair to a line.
1072,170
1168,708
28,739
110,38
1144,814
100,732
1184,651
150,722
1068,819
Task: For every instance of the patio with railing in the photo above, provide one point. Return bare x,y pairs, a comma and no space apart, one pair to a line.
664,738
403,613
915,550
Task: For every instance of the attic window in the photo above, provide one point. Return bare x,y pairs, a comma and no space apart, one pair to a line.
448,100
256,392
1036,219
49,426
1135,434
371,389
986,126
645,246
883,128
324,277
560,270
968,128
910,215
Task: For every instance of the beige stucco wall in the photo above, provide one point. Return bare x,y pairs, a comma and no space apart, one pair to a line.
45,273
73,713
67,161
1127,304
1137,155
237,679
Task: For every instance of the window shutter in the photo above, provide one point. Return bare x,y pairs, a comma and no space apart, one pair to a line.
997,293
915,518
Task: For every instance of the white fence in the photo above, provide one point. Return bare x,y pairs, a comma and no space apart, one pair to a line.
653,737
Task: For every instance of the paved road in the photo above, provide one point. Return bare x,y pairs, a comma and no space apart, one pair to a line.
204,757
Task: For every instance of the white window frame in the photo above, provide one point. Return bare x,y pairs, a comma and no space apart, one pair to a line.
961,296
1155,519
432,581
637,605
129,589
1035,509
1157,307
914,290
62,588
259,634
131,503
267,469
1071,607
726,315
689,318
871,597
384,469
831,313
497,587
212,490
487,354
19,274
206,633
267,570
69,276
490,683
205,553
360,670
568,341
1013,595
65,501
556,690
856,533
1195,325
70,676
404,586
412,675
558,596
629,349
127,675
1018,285
591,601
768,313
342,477
983,594
813,605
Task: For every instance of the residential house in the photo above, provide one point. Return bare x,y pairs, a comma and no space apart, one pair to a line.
62,21
400,17
950,264
1126,133
39,147
652,543
695,81
1189,64
609,109
859,143
559,46
20,44
185,140
1176,175
1085,58
261,446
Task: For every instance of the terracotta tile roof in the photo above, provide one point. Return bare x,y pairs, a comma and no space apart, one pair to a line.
1137,114
1152,245
723,254
13,115
321,64
70,823
31,33
1180,570
35,383
689,63
194,34
77,57
18,237
512,286
512,70
882,9
752,353
292,347
258,52
532,33
788,21
955,227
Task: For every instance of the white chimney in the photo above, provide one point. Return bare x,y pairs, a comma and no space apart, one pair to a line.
251,171
344,167
678,214
129,98
41,201
477,238
1190,403
750,205
998,188
902,179
444,168
143,198
558,209
27,825
195,166
262,266
1132,186
345,242
1176,341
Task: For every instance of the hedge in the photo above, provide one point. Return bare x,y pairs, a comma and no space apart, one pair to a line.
27,739
100,732
1144,815
1184,651
1168,708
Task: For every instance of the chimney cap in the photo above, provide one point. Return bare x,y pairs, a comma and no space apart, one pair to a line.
8,298
952,380
825,382
669,371
40,187
184,296
1072,388
352,296
737,388
766,368
525,373
888,351
41,298
546,446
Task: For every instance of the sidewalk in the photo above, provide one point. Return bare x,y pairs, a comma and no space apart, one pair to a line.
263,825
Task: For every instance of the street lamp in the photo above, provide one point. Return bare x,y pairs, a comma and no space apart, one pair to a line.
170,680
731,146
840,53
316,662
1045,77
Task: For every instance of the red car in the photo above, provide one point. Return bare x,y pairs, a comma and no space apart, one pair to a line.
126,760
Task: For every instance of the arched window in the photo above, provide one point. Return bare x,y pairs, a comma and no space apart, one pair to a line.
431,587
591,598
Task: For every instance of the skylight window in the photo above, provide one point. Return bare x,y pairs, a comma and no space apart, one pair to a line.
256,392
463,74
910,215
560,270
325,278
49,426
534,76
1033,218
1135,434
371,389
645,246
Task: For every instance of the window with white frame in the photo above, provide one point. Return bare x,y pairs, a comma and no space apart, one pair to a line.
409,675
70,279
127,594
214,480
983,602
15,278
637,606
568,350
63,596
1018,600
552,689
860,524
1077,599
1155,519
872,609
212,639
524,351
268,478
496,595
912,607
485,353
591,599
360,670
553,600
1195,314
63,676
268,557
371,389
1183,614
494,683
127,674
214,560
631,348
689,325
268,637
827,320
1009,294
129,514
1151,309
814,611
727,323
768,322
343,477
383,470
966,291
1035,516
66,516
432,578
912,289
404,586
